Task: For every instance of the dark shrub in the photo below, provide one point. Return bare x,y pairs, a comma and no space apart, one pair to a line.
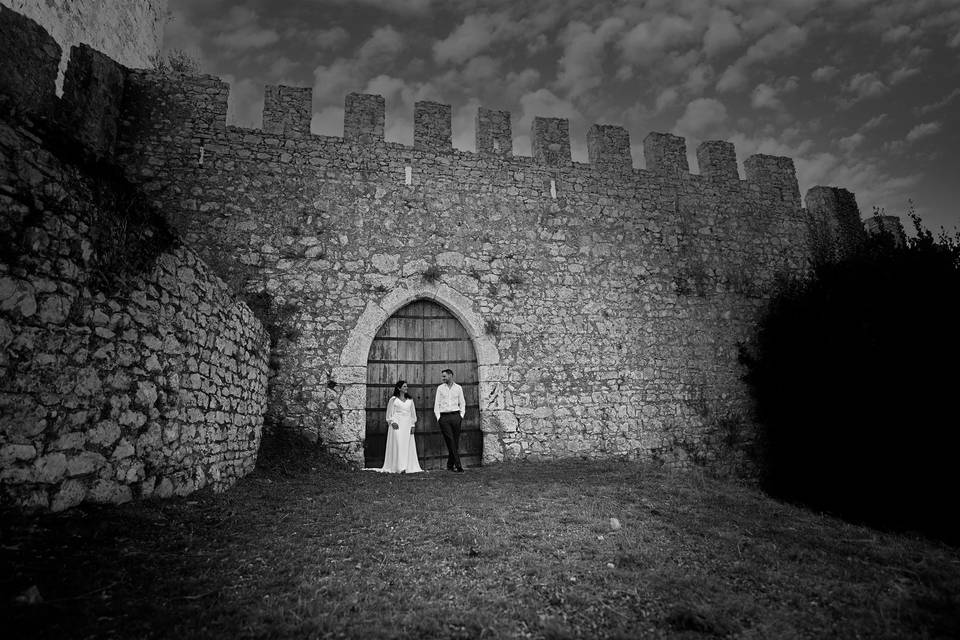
855,376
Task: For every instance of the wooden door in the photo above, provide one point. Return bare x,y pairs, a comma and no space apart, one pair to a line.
416,344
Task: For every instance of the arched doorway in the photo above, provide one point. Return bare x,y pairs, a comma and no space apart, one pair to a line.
415,344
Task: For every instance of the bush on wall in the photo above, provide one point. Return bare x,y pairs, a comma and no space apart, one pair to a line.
854,372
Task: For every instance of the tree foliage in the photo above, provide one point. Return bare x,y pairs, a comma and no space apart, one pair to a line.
855,375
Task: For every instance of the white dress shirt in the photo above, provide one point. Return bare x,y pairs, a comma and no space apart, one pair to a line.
449,398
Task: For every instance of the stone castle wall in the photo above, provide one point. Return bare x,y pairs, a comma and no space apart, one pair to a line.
116,382
129,31
606,303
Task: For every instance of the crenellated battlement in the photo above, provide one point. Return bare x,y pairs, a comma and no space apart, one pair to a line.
613,290
98,96
288,110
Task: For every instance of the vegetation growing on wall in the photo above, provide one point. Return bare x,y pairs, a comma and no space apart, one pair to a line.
851,372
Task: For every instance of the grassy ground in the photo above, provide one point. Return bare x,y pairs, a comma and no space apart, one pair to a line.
515,550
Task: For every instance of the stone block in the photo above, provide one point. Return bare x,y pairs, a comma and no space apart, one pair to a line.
608,148
718,159
50,468
70,494
494,133
665,153
432,126
551,141
363,118
106,491
12,453
835,226
492,449
287,111
775,175
85,463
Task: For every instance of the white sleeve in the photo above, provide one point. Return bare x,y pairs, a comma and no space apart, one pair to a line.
461,401
436,403
390,408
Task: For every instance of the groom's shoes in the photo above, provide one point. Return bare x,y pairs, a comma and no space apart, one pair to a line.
458,470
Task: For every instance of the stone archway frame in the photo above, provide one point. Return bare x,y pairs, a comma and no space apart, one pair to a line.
495,416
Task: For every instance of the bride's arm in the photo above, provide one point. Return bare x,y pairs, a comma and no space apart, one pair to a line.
390,410
413,410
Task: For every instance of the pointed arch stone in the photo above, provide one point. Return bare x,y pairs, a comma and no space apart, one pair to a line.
352,370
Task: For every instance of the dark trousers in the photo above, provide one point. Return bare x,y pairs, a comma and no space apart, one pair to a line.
450,429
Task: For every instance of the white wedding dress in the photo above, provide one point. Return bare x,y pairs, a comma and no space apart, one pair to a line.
401,452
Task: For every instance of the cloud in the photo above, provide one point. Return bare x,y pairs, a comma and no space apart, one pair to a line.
874,122
782,41
666,98
922,131
734,77
866,85
580,67
901,74
325,39
382,46
765,97
702,117
649,39
328,121
333,81
240,31
475,34
722,34
245,102
825,73
954,42
933,106
851,142
402,7
898,34
543,103
698,78
870,183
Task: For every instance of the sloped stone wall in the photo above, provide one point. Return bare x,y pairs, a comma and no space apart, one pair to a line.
127,368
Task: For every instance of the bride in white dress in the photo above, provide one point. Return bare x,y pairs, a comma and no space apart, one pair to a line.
401,453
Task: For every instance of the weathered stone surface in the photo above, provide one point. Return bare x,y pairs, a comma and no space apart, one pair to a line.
84,463
51,468
604,303
170,375
70,494
12,453
109,492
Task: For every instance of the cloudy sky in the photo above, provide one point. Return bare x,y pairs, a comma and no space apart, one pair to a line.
863,94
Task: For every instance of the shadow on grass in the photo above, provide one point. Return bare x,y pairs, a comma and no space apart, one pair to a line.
513,550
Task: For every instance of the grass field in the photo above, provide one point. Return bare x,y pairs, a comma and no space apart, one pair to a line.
513,551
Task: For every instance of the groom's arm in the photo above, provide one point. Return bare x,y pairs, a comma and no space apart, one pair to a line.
436,404
461,402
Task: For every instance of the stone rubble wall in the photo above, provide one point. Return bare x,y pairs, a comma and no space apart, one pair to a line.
615,299
606,303
152,387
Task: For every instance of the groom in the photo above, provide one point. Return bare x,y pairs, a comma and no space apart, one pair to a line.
449,407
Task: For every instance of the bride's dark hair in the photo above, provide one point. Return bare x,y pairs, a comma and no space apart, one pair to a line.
396,388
